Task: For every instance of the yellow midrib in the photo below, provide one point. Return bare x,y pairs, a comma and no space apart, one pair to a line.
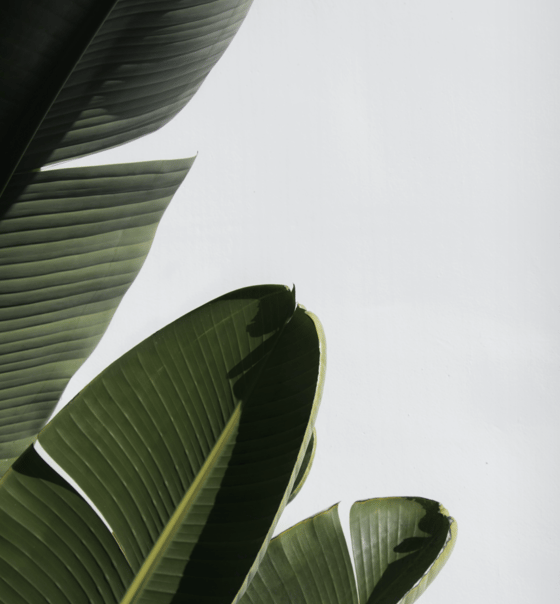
154,557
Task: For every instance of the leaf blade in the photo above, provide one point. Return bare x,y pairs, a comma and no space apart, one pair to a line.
242,499
145,63
405,537
305,466
52,544
33,74
70,247
307,563
302,560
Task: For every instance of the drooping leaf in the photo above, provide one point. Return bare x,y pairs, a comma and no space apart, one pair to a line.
69,249
188,446
99,74
399,546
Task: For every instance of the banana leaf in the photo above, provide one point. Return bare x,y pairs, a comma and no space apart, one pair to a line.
305,466
76,77
80,76
399,546
69,250
163,479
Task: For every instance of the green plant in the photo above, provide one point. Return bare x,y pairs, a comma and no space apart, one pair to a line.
186,460
399,546
163,480
79,77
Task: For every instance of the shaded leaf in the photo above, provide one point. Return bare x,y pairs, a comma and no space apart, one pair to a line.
69,249
188,446
102,73
305,466
32,74
98,74
143,66
53,547
399,546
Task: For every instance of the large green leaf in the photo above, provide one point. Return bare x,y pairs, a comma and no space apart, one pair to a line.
69,249
399,546
78,76
188,447
100,73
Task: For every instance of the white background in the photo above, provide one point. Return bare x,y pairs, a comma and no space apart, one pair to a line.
398,161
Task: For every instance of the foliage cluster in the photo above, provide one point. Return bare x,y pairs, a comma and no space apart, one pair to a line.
163,480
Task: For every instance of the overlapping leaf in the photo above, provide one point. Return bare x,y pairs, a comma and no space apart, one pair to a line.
98,74
399,546
188,446
69,249
53,547
79,76
40,44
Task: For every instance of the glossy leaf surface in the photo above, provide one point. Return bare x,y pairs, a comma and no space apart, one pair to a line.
69,249
188,446
399,546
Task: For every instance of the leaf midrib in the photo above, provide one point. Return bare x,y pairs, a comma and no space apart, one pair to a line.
150,564
160,546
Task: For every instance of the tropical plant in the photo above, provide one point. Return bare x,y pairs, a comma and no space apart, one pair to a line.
188,447
163,479
399,546
80,76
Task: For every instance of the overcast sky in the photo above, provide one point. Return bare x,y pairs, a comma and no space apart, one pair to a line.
398,161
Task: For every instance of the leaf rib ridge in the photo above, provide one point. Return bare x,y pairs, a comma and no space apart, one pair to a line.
173,524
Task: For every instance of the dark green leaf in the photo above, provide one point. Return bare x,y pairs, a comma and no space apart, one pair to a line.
40,44
305,466
53,547
99,74
69,249
188,446
399,544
